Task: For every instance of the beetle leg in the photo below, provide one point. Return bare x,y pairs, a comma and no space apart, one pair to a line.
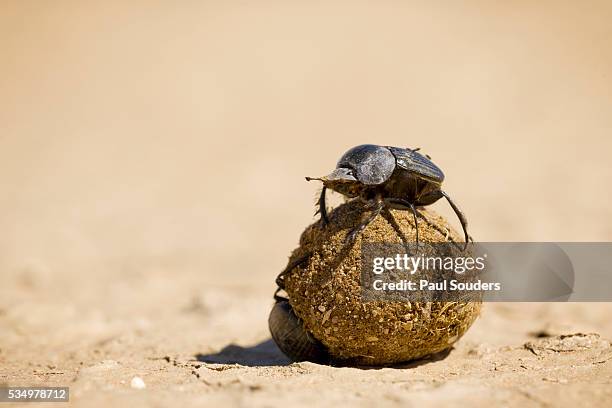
280,279
322,207
461,217
377,207
410,206
416,224
277,297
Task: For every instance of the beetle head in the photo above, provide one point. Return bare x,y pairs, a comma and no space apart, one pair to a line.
341,180
361,166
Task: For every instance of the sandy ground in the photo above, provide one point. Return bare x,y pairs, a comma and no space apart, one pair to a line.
152,158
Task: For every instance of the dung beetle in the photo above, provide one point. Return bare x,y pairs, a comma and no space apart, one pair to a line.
386,177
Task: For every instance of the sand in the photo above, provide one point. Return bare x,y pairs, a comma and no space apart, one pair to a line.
152,163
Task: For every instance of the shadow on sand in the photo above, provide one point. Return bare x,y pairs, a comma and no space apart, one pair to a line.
263,354
267,353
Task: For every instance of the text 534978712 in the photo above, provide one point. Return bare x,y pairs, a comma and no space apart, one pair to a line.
34,394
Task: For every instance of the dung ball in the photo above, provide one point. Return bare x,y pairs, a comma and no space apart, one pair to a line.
325,292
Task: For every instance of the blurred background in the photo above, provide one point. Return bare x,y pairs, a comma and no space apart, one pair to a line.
153,153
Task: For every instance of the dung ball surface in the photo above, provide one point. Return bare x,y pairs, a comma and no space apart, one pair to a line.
325,292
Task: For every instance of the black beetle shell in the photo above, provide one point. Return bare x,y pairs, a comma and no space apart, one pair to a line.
371,164
291,338
417,164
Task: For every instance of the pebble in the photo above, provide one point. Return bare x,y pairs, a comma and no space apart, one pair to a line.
138,383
